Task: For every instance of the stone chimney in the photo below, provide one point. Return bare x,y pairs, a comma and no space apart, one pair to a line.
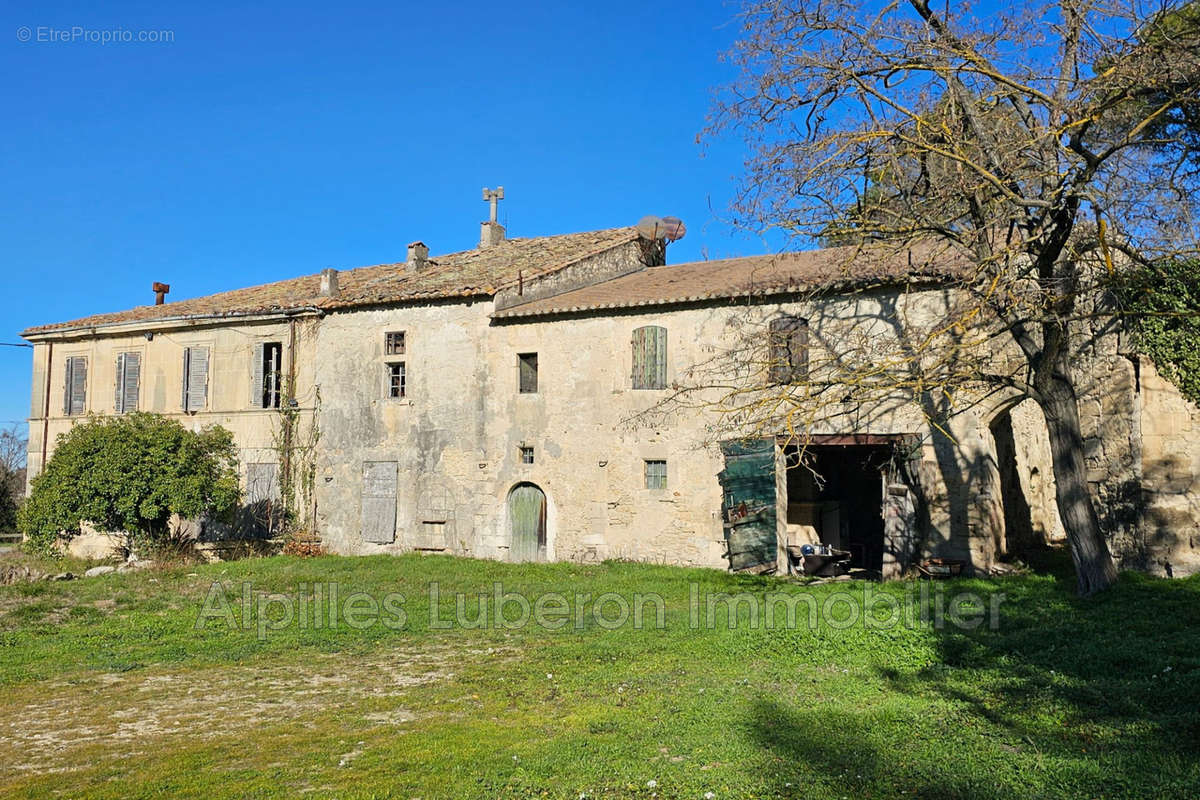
329,282
418,256
490,233
160,292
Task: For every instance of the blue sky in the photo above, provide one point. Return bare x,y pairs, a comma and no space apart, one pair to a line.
274,140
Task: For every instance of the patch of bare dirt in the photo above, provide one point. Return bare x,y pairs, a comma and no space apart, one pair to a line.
132,712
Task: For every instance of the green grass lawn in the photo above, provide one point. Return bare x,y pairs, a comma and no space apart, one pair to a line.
108,689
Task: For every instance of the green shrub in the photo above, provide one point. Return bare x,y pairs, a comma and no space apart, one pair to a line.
1163,308
130,473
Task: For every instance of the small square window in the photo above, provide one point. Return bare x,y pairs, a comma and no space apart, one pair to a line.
656,474
526,455
529,373
397,387
393,344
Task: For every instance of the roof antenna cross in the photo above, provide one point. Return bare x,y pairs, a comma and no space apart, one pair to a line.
493,196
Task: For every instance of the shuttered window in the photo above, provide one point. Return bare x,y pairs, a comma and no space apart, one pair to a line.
129,376
75,386
650,357
266,375
195,378
788,352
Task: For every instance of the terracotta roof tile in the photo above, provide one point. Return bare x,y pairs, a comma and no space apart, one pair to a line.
783,273
470,273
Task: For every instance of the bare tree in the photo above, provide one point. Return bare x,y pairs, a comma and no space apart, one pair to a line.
1038,144
12,474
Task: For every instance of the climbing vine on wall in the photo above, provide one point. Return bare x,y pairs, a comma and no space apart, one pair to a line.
296,448
1162,304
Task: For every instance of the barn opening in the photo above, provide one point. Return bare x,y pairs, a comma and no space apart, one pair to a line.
854,493
835,496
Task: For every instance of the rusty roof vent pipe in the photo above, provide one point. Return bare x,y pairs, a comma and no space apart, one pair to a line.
418,256
160,292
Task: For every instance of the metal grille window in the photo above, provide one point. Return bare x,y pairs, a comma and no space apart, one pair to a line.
393,344
650,357
397,381
266,378
526,455
656,474
528,366
75,386
788,350
195,378
129,371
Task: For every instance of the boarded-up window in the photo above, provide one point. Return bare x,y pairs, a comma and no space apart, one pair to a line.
433,535
528,366
129,373
788,352
195,378
435,510
379,501
75,386
266,375
656,474
650,357
397,381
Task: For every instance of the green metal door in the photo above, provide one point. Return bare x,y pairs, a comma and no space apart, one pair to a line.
748,507
527,521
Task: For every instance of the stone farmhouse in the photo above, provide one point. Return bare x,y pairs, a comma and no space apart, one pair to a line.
498,402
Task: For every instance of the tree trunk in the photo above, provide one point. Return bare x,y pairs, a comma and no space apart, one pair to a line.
1094,566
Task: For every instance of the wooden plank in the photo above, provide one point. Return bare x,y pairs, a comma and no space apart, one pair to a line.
748,505
379,501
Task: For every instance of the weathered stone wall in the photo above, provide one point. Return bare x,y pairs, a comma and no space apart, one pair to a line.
1167,538
460,430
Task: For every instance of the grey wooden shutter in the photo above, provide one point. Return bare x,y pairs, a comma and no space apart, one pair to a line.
68,368
130,378
256,378
119,385
799,350
788,354
379,501
639,358
650,357
76,386
660,358
195,378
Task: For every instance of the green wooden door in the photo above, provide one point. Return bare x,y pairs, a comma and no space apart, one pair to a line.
748,507
527,521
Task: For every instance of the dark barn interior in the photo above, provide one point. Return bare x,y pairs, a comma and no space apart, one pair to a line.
835,496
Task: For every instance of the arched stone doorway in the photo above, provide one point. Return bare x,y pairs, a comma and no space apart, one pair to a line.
1026,476
527,523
